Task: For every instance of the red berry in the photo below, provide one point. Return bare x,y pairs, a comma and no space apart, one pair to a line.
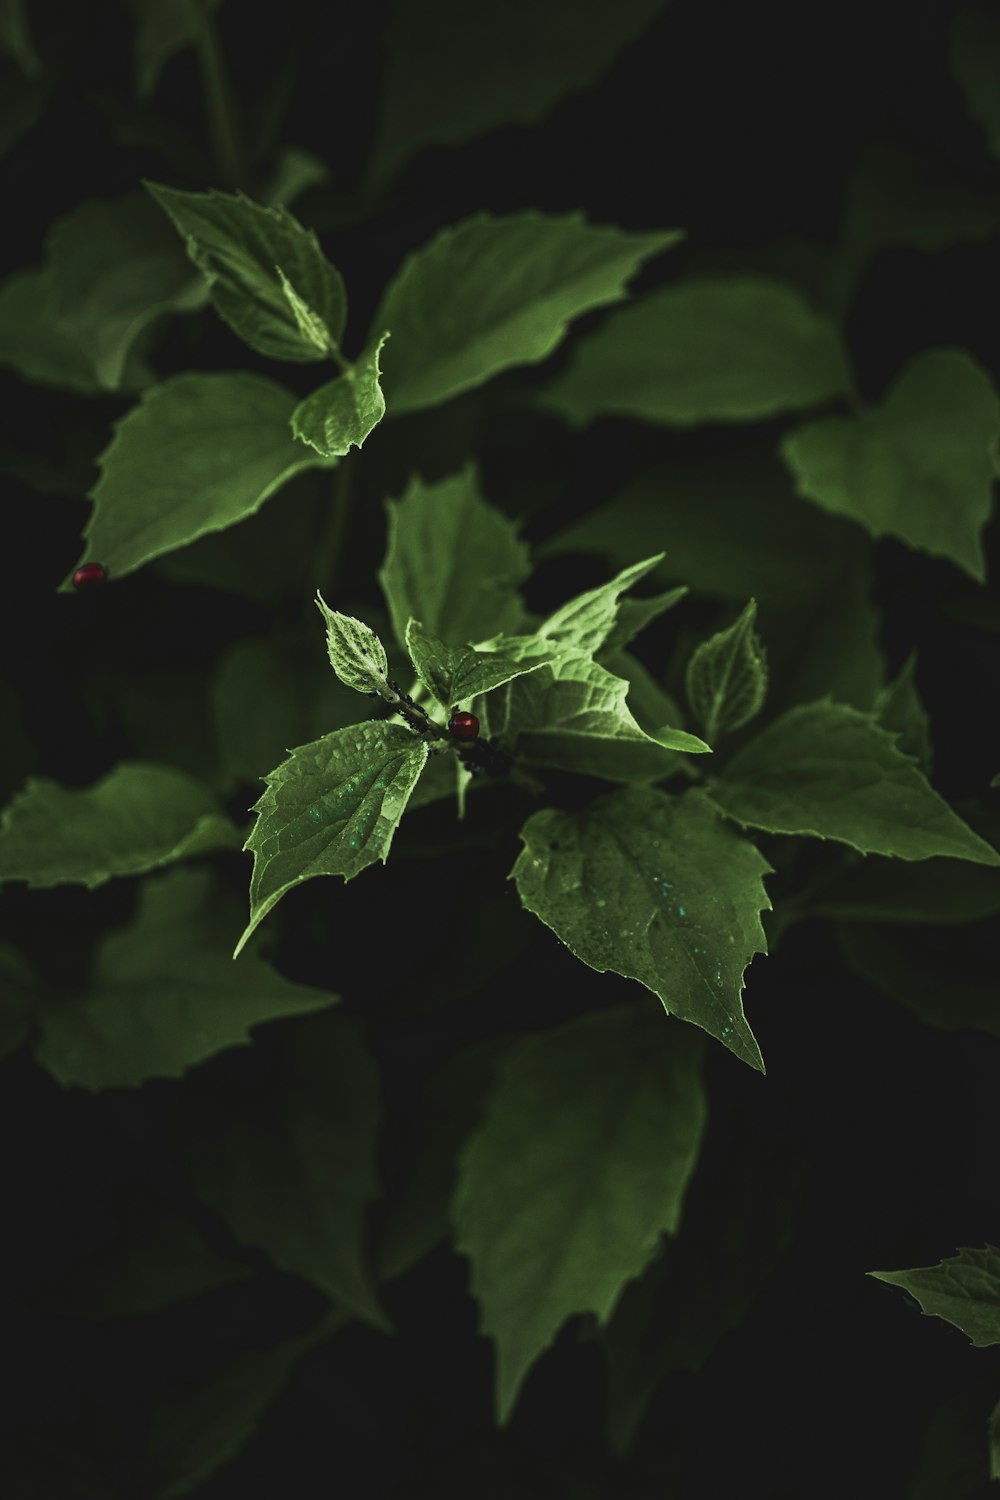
464,726
90,574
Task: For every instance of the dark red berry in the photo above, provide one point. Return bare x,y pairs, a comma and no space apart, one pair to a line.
90,574
463,726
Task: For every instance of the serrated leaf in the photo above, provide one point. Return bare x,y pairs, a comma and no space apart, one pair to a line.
341,414
453,561
587,621
355,651
293,1168
964,1291
974,54
898,708
658,889
726,677
572,715
198,1428
886,890
497,291
330,809
455,674
197,454
163,28
238,245
451,73
591,1133
919,467
825,770
635,614
711,349
165,994
908,966
136,818
15,38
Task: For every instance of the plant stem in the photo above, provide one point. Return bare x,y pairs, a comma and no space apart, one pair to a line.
330,555
220,105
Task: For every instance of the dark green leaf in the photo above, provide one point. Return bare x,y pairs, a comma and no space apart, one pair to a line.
974,46
964,1291
15,37
898,708
18,983
907,965
162,28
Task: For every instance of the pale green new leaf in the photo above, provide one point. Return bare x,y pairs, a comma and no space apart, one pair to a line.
454,674
826,770
726,677
587,621
453,72
656,888
356,653
197,454
136,818
898,707
238,246
292,1166
493,292
919,467
712,349
964,1291
974,48
572,715
453,561
165,994
340,415
163,28
591,1134
330,809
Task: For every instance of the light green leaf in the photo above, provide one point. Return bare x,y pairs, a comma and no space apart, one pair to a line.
493,292
356,653
825,770
453,561
964,1291
310,324
115,268
341,414
238,246
898,707
974,50
165,993
198,1428
455,674
571,714
726,677
136,818
712,349
452,73
330,809
292,1168
658,889
15,38
163,28
591,1133
649,702
919,467
197,454
586,622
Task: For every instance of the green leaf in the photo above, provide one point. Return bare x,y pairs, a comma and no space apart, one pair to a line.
197,454
951,1458
493,292
571,714
15,38
726,678
292,1167
455,674
330,809
239,246
712,349
591,1133
451,74
964,1291
159,1258
825,770
114,268
635,614
658,889
453,561
586,622
341,414
356,653
898,708
911,967
919,467
136,818
198,1428
165,993
34,343
163,28
974,52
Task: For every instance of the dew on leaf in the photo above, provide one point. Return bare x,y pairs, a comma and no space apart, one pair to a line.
680,911
727,1030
